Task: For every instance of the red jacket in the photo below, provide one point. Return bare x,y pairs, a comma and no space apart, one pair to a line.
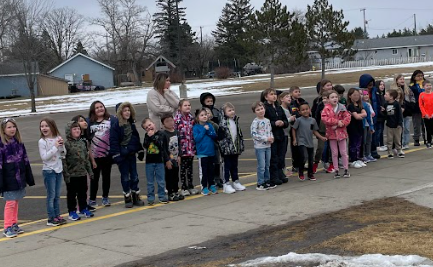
426,104
331,118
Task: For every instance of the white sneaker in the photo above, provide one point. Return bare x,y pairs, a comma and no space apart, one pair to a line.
228,189
362,163
401,152
238,186
357,165
185,193
194,191
405,147
382,148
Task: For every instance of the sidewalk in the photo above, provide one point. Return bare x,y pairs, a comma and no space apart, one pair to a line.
116,235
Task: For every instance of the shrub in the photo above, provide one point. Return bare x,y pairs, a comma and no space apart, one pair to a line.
223,72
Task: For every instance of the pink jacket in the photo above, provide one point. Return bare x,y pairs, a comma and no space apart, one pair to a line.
331,119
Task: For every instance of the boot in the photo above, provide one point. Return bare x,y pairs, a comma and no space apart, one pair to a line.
128,200
136,200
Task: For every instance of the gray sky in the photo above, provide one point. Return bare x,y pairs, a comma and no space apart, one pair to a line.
382,15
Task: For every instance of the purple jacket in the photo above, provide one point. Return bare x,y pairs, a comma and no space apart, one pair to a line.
15,170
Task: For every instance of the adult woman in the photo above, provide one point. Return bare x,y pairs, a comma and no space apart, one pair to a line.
418,125
161,100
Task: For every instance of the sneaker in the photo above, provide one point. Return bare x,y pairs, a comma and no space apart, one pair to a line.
61,220
213,189
92,203
428,145
346,174
294,169
87,213
357,164
284,180
193,191
228,189
238,186
371,159
270,185
337,175
106,202
390,156
376,156
416,143
205,191
311,177
330,168
301,177
180,196
362,163
185,193
315,166
382,148
173,197
400,155
91,208
277,181
9,232
405,147
365,159
17,229
165,201
73,216
261,187
53,222
150,203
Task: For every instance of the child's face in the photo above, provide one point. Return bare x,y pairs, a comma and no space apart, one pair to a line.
229,112
382,86
209,114
365,96
149,126
99,110
428,87
333,99
83,123
370,85
296,94
186,107
76,132
271,97
304,110
287,99
400,81
419,77
126,113
10,129
355,96
327,87
388,97
208,101
45,129
340,96
202,117
325,100
260,111
169,123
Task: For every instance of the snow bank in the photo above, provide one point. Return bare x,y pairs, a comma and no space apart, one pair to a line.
322,260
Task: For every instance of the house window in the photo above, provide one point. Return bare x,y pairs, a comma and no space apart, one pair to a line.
394,51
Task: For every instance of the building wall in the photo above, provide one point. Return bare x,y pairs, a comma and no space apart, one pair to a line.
388,53
18,83
100,75
48,86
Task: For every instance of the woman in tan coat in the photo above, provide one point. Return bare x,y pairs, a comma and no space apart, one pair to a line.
161,100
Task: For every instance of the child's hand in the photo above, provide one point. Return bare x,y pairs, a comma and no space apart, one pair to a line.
270,140
295,143
91,176
382,109
206,127
324,139
279,123
59,142
94,165
293,118
372,131
178,160
334,127
340,124
169,165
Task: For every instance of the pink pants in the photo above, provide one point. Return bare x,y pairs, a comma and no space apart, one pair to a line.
339,146
11,213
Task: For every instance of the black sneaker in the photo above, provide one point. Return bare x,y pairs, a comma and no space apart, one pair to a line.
261,187
173,197
337,175
277,182
311,177
416,143
90,208
400,155
180,196
294,169
271,185
346,174
284,180
390,156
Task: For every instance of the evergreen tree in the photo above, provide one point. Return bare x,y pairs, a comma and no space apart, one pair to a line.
230,34
327,32
428,30
80,49
358,32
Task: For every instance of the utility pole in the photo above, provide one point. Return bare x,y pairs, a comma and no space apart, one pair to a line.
201,35
179,51
414,24
365,22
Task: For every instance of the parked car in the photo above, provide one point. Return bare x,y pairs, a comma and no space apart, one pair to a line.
83,87
210,74
252,68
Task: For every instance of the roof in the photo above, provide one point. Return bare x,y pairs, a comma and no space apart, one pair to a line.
53,78
159,58
13,68
81,55
393,42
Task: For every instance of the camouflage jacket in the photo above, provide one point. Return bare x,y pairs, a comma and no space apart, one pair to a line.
77,162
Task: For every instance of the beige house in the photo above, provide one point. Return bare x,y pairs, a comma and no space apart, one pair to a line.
50,85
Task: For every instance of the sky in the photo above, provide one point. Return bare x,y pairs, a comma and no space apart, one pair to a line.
383,16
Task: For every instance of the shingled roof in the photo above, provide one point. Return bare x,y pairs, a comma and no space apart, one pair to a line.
393,42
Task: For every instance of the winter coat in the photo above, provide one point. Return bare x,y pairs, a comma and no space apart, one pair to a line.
156,147
368,118
274,114
183,125
364,80
215,112
331,118
15,170
117,134
227,145
158,105
417,89
204,140
77,161
294,107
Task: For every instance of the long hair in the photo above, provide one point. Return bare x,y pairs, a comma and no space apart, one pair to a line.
322,84
92,114
414,74
197,113
350,93
377,84
401,91
159,82
4,137
52,125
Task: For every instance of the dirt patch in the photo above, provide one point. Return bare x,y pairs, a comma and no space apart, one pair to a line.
387,226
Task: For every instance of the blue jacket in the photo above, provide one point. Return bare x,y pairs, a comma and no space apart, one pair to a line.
204,139
368,118
416,92
364,80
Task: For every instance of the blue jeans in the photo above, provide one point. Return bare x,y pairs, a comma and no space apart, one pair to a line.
53,184
155,171
263,162
406,131
378,132
128,174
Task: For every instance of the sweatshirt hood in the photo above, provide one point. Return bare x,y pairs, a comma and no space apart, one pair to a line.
203,96
365,79
68,128
120,107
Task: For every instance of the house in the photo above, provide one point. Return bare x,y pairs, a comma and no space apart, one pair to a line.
13,82
81,68
160,65
394,47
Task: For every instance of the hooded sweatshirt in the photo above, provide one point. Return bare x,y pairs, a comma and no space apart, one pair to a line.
77,162
215,111
364,80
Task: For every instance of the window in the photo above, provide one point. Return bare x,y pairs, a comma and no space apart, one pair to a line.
394,51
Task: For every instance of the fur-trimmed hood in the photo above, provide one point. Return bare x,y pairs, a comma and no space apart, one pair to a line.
120,107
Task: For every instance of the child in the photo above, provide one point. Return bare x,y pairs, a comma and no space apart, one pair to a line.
99,122
124,145
204,136
217,171
302,131
261,132
416,81
207,100
426,107
52,150
284,99
394,123
336,118
279,122
184,122
408,104
16,173
231,142
355,129
295,92
156,145
172,175
380,117
368,127
340,91
75,170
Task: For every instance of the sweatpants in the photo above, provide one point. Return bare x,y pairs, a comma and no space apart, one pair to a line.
186,172
355,141
429,127
206,165
104,168
339,147
296,154
231,168
76,189
10,213
393,137
172,179
307,154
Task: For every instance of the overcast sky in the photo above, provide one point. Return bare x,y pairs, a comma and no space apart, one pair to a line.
382,15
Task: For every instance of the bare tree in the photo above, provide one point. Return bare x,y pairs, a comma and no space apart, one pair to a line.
128,30
64,27
199,55
6,21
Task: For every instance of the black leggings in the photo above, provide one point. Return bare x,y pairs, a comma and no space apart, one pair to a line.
429,128
186,172
76,189
104,167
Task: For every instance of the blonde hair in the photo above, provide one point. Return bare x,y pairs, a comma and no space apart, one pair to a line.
399,90
4,137
282,95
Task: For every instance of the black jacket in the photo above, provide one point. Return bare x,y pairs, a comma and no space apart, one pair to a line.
274,114
215,112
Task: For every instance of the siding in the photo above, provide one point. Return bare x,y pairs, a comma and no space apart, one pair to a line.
19,83
51,86
401,52
99,74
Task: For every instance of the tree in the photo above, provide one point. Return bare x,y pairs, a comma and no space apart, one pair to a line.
230,35
79,48
327,32
358,32
400,33
200,54
428,30
6,21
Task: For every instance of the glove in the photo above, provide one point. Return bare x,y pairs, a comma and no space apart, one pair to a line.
140,156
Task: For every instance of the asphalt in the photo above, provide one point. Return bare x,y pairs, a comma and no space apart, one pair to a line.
118,236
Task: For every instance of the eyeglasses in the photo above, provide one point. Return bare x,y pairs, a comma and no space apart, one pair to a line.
6,120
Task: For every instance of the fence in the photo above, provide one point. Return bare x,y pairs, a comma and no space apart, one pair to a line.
375,62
